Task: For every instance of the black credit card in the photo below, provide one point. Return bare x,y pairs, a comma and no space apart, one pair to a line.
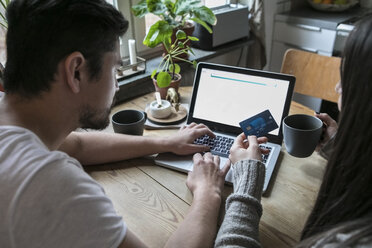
259,125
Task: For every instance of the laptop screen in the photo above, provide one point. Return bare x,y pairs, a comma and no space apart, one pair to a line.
223,96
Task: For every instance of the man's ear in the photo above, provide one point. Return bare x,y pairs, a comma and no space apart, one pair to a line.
74,64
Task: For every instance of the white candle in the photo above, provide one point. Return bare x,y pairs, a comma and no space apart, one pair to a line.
132,51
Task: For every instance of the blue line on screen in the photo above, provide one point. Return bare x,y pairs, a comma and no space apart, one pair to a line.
239,80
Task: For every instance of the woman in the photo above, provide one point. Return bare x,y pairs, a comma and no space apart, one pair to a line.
342,215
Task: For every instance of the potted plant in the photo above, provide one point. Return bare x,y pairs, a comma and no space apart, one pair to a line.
167,74
4,24
175,15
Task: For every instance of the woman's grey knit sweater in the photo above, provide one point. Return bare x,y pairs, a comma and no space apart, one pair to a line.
243,212
243,207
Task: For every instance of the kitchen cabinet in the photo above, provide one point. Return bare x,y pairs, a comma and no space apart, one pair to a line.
300,36
306,29
309,30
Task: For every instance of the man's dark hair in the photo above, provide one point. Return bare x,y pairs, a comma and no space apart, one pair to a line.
345,195
43,32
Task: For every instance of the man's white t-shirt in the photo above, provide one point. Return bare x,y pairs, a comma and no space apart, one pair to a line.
47,200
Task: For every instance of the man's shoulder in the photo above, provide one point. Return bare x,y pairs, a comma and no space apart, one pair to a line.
20,146
52,198
24,158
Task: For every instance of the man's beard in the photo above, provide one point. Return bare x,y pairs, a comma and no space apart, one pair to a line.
95,119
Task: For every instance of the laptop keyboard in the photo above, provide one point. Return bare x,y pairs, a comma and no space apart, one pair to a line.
221,146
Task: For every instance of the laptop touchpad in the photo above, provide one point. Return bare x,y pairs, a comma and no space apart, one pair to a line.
170,160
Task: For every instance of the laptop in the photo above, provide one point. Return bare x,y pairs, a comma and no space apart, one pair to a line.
222,97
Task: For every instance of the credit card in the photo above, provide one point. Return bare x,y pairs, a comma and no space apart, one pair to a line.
259,125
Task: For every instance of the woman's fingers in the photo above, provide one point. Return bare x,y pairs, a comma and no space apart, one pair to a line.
226,168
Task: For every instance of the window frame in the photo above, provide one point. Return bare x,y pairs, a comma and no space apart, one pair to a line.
136,30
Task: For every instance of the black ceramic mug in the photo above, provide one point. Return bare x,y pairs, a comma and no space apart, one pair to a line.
301,134
129,121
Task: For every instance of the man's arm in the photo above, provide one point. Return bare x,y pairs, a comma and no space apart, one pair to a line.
199,227
131,241
206,182
101,147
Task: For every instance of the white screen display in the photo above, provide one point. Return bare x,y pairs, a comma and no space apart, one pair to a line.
229,98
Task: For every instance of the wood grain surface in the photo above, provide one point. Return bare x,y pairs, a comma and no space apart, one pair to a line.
316,75
153,200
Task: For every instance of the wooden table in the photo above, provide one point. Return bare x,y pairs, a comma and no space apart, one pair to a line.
153,200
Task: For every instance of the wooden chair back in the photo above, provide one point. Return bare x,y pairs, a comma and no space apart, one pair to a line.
316,75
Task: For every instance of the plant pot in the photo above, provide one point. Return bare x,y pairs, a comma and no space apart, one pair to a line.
188,29
174,84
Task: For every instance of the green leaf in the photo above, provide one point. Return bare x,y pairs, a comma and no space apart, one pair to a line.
180,44
167,44
194,63
191,51
169,5
204,24
181,35
158,32
183,7
153,73
193,38
176,67
140,10
205,14
163,79
156,7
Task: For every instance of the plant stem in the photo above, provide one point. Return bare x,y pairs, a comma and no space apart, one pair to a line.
185,60
184,50
164,65
161,64
167,64
174,68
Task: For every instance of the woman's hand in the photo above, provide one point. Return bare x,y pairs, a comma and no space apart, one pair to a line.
329,129
182,142
206,177
247,148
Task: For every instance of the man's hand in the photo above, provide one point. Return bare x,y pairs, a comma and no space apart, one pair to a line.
247,149
206,182
206,177
329,130
182,142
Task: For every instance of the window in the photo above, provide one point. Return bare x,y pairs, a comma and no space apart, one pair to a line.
2,37
139,26
111,2
215,3
2,46
149,20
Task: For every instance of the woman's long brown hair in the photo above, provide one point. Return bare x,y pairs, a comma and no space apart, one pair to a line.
346,192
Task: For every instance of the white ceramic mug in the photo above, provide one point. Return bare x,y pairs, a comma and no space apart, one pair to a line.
162,111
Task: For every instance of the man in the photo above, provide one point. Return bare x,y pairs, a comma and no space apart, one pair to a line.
60,75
